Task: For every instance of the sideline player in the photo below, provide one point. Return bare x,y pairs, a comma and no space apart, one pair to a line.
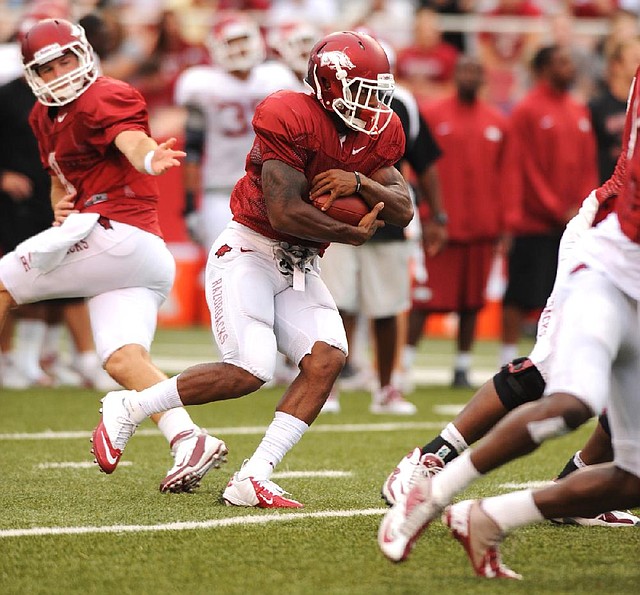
106,244
263,287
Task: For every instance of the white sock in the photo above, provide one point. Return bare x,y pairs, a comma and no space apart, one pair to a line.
512,510
454,478
508,352
454,437
463,361
408,357
87,363
281,436
174,422
29,341
155,399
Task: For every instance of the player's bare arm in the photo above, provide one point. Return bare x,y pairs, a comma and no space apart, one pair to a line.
284,188
145,154
386,185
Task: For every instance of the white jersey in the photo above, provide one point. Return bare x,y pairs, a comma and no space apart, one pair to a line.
228,105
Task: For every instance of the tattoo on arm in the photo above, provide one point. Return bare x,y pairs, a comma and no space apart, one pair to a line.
281,183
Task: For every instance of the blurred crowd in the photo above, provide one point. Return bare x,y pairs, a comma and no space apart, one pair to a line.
149,42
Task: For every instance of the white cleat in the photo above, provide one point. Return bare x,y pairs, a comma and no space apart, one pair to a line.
195,453
614,518
114,430
480,536
406,520
415,464
389,400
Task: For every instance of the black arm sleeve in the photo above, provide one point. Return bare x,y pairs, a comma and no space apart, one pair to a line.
194,134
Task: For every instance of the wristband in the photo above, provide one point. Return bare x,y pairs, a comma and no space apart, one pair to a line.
358,181
147,163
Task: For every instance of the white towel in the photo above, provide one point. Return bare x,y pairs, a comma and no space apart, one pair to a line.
46,250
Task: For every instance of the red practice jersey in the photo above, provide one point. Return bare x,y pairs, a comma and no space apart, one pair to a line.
476,169
295,129
557,149
76,145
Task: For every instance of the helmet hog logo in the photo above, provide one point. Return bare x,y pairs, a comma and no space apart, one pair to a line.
336,60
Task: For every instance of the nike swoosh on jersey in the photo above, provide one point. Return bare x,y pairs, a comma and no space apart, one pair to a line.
356,151
61,117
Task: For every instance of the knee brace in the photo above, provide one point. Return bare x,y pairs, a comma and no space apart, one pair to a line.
518,382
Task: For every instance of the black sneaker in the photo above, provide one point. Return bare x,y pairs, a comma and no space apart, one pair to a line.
460,379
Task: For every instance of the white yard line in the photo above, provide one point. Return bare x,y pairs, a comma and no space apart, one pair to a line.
191,525
77,465
239,430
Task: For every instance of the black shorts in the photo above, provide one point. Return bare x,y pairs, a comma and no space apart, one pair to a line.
533,261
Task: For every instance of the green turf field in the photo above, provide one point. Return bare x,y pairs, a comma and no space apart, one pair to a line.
66,528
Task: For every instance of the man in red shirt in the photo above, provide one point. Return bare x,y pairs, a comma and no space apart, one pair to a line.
106,243
476,180
557,162
262,284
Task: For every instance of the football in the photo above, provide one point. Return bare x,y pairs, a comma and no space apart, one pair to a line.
348,209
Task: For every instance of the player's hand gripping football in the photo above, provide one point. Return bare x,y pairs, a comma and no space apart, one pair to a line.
165,157
335,182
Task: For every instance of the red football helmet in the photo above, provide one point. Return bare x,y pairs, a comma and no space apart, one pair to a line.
50,39
236,44
292,41
349,73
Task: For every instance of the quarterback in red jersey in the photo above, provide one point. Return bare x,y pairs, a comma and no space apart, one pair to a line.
263,288
105,244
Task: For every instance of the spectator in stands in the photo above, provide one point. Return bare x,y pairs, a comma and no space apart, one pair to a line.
457,7
608,108
592,8
557,161
476,179
426,66
505,54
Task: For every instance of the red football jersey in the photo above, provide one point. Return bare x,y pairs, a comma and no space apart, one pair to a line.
627,172
76,145
295,129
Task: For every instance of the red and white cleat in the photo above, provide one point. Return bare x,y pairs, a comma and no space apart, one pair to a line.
195,453
262,493
614,518
480,536
415,464
114,430
406,520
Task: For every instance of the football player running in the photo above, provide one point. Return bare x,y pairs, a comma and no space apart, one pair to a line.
105,244
220,101
262,283
594,363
